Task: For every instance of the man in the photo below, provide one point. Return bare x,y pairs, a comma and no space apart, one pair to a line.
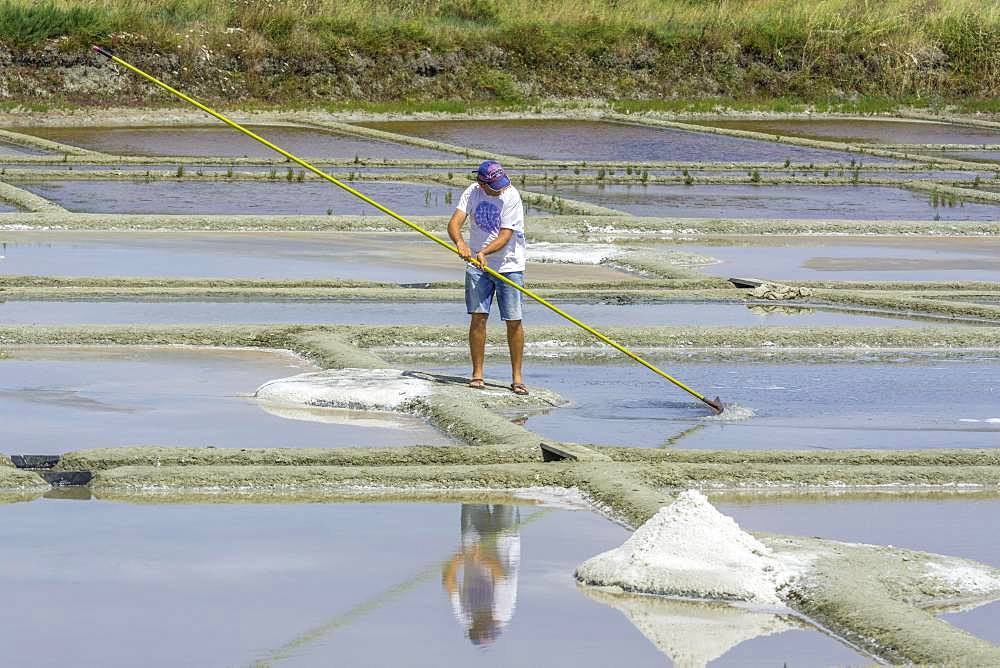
496,240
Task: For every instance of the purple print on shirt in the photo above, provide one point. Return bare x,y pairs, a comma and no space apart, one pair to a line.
488,217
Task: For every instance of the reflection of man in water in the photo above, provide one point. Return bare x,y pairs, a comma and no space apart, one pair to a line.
481,579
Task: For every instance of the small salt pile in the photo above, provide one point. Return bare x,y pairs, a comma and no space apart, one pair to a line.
358,389
542,251
691,549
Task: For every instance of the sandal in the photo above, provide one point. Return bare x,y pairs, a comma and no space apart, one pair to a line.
477,384
519,388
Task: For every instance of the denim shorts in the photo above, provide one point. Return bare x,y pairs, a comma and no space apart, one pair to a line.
480,288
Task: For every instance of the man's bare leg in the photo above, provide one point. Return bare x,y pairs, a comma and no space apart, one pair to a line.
515,343
477,343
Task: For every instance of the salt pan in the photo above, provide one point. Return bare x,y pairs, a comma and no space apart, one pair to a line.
359,389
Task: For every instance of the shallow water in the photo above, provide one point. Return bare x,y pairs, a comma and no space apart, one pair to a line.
436,313
867,131
600,140
853,258
17,149
7,208
245,197
955,525
913,403
983,621
54,400
233,584
846,202
390,257
221,141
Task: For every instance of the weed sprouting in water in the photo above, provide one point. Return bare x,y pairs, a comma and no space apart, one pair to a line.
628,170
788,163
688,180
229,172
329,212
301,176
576,170
65,157
450,176
289,174
449,197
755,176
273,174
601,173
826,173
199,173
856,176
645,176
180,171
357,159
427,197
976,182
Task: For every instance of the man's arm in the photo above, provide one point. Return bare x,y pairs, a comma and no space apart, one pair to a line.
455,232
502,238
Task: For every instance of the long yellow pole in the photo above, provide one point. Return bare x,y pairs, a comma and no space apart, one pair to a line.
715,404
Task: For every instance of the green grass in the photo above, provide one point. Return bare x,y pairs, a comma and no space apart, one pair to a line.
24,23
692,55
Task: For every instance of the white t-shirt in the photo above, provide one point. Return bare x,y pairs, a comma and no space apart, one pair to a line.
487,216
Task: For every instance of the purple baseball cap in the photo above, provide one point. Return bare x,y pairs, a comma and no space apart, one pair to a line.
492,174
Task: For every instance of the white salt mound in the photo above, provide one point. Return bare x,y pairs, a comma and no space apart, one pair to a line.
359,389
691,549
572,253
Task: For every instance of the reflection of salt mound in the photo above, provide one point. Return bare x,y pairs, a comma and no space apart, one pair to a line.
689,632
572,253
359,389
690,549
336,416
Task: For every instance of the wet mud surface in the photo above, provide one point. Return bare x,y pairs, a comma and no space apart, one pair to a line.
856,131
53,400
804,406
392,257
222,141
597,140
277,197
797,202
